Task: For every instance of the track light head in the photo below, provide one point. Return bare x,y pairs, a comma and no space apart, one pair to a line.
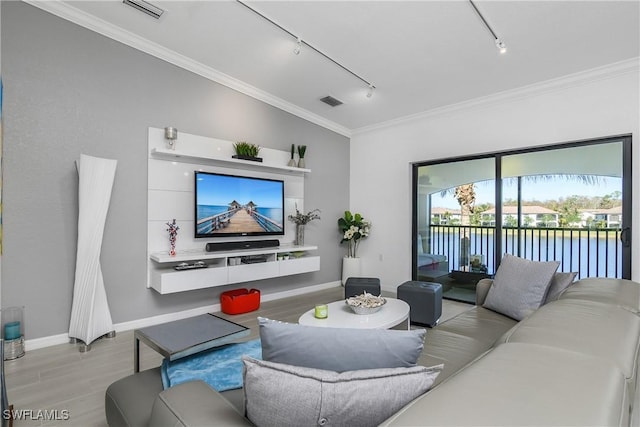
298,47
370,91
502,48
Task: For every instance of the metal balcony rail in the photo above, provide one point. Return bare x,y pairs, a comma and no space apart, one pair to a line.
589,252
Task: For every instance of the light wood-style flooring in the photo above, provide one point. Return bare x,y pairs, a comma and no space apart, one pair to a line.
60,378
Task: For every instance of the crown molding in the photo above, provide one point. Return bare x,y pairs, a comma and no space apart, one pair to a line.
100,26
553,85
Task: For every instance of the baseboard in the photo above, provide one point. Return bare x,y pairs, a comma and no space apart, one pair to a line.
36,343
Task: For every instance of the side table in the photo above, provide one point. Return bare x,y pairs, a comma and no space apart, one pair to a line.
185,337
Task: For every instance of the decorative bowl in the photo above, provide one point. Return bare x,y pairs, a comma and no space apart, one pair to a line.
366,303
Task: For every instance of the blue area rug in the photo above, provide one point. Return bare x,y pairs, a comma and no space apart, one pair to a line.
220,367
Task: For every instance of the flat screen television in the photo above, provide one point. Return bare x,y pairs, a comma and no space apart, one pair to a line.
229,205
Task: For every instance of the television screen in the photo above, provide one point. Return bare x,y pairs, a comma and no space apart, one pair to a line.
228,205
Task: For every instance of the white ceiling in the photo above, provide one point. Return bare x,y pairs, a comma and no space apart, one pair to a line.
420,55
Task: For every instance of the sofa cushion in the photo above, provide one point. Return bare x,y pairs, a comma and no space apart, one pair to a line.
520,286
285,395
129,401
620,292
339,349
459,340
601,330
524,384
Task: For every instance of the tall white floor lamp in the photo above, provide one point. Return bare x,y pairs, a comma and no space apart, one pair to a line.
90,315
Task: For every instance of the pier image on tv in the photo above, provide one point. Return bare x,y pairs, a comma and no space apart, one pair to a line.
228,205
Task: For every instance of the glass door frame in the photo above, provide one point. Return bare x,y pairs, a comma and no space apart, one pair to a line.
627,184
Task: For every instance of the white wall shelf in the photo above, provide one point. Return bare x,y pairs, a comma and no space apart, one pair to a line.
220,271
200,255
170,196
177,155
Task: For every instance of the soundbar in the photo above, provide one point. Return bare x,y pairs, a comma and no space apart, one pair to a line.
233,246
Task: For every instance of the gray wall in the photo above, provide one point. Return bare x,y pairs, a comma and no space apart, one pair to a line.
70,91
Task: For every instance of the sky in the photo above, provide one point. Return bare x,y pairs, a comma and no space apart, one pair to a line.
549,190
220,190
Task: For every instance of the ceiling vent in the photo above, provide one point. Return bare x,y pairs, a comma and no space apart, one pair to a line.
330,100
145,7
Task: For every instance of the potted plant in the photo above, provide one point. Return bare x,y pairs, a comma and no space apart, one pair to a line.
292,162
353,228
300,220
301,150
246,151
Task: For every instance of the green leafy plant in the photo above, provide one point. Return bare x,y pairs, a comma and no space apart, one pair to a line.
301,150
353,228
244,148
293,150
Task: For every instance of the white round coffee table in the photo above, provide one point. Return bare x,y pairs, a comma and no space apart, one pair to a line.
395,312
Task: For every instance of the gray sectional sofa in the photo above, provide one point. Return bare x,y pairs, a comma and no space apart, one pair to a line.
572,362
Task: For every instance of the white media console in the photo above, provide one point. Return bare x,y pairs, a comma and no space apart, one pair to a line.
225,268
170,195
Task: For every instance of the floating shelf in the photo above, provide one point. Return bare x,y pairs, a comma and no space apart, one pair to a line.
220,271
178,155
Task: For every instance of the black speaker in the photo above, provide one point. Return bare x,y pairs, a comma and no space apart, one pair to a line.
233,246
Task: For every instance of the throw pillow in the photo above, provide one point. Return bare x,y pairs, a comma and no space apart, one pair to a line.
520,286
559,283
276,394
339,349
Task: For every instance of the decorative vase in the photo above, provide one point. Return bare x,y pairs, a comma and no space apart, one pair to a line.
301,163
299,235
292,163
350,268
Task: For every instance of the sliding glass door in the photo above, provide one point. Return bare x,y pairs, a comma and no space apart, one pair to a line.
450,238
569,202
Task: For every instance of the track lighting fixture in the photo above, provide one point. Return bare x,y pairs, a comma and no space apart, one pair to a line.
502,47
298,47
370,91
299,44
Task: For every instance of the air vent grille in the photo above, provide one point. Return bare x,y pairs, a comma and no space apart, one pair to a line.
330,100
145,7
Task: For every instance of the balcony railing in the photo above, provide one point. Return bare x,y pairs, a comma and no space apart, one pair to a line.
589,252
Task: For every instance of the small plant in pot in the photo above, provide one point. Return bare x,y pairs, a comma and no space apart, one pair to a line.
302,149
292,162
246,151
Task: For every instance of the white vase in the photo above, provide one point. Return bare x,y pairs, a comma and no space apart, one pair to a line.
350,268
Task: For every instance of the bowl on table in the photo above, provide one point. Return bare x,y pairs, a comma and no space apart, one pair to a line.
366,303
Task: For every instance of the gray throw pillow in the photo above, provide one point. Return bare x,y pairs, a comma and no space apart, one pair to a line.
339,349
559,283
520,286
276,394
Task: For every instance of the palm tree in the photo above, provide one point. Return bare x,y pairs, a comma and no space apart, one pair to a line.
466,196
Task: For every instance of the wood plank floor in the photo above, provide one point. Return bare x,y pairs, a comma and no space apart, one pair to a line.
60,378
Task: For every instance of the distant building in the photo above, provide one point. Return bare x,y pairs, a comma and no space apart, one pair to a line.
609,218
445,216
531,216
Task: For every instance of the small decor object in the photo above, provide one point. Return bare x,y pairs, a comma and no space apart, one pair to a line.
365,303
171,135
246,151
321,311
477,264
301,150
292,162
13,332
172,228
353,228
300,220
